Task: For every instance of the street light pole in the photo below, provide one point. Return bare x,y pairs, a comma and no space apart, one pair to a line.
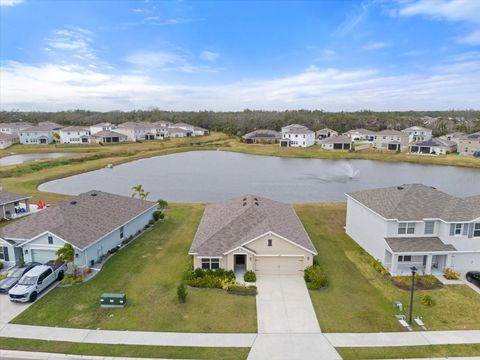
414,270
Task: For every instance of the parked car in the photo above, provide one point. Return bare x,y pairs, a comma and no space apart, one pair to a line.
35,281
15,275
473,277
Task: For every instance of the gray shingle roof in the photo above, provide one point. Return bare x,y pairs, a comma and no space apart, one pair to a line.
9,197
262,134
45,126
418,244
413,202
227,225
74,128
82,223
391,133
4,136
337,140
107,133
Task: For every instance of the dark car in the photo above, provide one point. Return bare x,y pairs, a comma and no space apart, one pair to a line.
15,275
473,277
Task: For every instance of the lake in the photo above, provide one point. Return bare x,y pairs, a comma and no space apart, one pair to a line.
22,158
208,176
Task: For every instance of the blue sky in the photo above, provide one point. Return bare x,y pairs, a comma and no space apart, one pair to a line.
233,55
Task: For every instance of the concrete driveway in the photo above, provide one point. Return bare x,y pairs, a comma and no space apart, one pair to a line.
287,325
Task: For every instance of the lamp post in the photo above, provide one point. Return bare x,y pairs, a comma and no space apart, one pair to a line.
414,270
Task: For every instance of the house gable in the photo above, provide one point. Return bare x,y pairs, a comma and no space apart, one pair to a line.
279,246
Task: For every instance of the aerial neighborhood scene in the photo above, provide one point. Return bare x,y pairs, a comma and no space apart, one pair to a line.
262,180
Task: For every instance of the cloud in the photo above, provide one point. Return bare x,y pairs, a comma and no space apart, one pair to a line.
165,61
415,52
471,39
359,15
10,2
59,87
328,52
71,41
376,45
209,55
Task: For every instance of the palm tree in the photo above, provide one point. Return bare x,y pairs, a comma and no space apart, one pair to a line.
162,204
140,191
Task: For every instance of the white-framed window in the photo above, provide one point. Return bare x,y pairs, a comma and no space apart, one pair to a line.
50,239
429,227
458,229
2,254
476,230
405,258
406,228
269,242
210,263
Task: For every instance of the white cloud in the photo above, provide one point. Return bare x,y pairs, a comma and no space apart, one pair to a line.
209,55
471,39
354,19
71,41
328,52
165,61
376,45
10,2
56,87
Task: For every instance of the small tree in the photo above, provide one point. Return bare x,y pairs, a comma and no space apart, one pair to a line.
66,254
182,293
140,191
162,204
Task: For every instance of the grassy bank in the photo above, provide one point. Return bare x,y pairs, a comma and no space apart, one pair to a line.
359,299
148,271
169,352
368,154
406,352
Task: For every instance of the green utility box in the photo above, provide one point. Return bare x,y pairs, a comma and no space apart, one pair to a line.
113,300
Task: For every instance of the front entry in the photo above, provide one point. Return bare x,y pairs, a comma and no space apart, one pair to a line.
240,262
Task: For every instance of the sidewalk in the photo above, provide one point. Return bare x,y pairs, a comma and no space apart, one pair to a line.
27,355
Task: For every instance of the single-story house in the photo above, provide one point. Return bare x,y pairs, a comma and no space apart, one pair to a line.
269,136
199,131
336,142
434,146
7,140
252,233
455,137
10,204
93,223
326,133
107,136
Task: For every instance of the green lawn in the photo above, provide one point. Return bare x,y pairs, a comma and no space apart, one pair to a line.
406,352
148,271
170,352
358,299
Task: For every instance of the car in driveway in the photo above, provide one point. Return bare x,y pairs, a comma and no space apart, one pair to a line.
14,275
473,277
35,281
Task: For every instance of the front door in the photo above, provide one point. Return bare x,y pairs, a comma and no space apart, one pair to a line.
240,261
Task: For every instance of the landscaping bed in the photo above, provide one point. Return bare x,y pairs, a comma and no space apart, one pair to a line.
217,279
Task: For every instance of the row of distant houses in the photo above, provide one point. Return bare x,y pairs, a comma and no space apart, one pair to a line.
48,132
415,139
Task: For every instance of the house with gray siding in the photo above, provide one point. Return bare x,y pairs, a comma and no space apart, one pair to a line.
92,222
416,225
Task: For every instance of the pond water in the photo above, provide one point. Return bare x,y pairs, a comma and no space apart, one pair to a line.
22,158
208,176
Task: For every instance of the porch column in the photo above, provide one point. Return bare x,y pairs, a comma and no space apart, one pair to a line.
428,265
27,205
394,265
448,261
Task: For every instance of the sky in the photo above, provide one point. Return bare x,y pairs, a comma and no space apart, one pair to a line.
378,55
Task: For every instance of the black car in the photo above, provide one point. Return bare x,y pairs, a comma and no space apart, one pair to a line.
15,275
473,277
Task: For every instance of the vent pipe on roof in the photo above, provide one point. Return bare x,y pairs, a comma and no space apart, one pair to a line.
400,187
93,194
73,202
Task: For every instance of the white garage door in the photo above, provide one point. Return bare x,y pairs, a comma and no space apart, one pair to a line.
279,265
42,256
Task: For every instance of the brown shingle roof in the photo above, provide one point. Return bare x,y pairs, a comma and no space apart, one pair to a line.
81,221
418,244
9,197
227,225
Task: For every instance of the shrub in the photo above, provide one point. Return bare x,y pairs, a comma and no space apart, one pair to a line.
1,265
228,283
315,277
72,279
158,215
182,293
425,282
451,274
377,265
151,222
3,276
207,278
243,290
427,300
86,271
249,276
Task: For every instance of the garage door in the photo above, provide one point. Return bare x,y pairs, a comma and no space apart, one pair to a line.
42,256
279,265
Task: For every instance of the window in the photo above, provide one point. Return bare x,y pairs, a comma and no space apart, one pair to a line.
458,229
270,241
121,233
476,230
404,258
210,263
50,239
2,255
429,227
406,228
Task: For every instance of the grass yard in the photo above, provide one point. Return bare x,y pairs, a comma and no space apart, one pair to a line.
367,154
358,299
406,352
148,271
170,352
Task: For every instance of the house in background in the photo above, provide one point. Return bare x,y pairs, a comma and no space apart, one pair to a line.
434,146
176,132
199,131
187,127
469,144
7,140
326,133
360,135
161,129
252,233
391,140
336,143
93,223
75,135
12,204
137,130
416,225
14,128
108,137
455,137
418,134
42,133
257,136
102,127
297,136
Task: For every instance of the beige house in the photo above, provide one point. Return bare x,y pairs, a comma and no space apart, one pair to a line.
252,233
391,140
469,144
